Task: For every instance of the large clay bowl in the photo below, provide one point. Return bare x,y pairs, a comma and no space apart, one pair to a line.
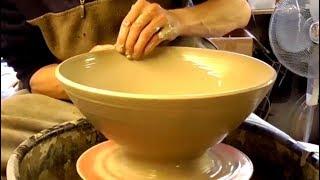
172,105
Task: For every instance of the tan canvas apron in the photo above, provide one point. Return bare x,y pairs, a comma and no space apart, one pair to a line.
68,34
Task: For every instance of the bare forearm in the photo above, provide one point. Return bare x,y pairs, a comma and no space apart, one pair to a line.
44,82
148,24
213,18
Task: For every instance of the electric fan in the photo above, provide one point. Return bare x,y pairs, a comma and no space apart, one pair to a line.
294,39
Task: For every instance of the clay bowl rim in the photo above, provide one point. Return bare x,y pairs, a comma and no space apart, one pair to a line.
128,95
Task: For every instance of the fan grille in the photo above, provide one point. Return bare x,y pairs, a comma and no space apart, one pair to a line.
289,36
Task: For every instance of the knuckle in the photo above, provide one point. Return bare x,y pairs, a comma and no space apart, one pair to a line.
154,7
139,3
162,17
125,23
148,13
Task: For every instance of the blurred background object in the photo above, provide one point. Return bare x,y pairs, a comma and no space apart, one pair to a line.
262,4
9,82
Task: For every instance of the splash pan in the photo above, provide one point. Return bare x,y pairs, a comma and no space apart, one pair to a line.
106,161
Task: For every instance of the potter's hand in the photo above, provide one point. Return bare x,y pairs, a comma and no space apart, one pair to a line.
146,26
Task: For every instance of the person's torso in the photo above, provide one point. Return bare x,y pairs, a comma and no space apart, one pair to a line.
69,29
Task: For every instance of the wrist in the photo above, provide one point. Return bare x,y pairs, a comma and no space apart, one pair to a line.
212,18
184,22
191,22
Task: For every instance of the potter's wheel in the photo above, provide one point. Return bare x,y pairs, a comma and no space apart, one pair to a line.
53,153
106,161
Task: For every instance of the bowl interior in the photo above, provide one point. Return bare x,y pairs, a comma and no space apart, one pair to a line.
170,71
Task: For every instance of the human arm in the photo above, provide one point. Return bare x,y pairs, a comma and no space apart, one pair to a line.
44,81
148,24
213,18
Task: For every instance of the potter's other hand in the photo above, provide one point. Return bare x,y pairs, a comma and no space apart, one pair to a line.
146,26
45,82
102,47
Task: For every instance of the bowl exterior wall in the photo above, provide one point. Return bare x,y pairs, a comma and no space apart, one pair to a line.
166,129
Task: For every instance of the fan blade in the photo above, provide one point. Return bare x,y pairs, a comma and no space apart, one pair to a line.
291,33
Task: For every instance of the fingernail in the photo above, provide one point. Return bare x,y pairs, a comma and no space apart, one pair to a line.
157,29
161,35
129,57
128,52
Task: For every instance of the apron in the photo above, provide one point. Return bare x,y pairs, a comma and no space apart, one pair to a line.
68,33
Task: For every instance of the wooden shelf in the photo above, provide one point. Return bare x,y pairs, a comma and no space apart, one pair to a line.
262,11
